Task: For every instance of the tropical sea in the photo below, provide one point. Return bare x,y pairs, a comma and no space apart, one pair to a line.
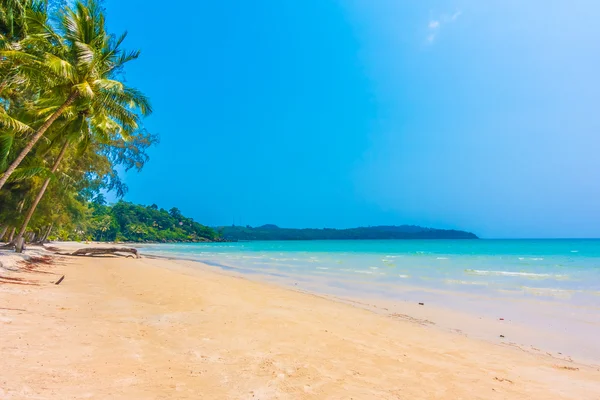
552,285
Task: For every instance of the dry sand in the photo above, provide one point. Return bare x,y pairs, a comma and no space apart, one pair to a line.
158,329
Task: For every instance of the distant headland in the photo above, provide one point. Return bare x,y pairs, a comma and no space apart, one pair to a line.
273,232
134,223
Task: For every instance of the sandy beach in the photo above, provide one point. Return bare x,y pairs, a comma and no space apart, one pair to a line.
123,328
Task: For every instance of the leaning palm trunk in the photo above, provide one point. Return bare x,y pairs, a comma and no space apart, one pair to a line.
39,196
11,235
40,132
48,231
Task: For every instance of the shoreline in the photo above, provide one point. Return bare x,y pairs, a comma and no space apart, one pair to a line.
509,324
527,324
154,328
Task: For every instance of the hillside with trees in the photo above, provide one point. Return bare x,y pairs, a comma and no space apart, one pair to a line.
273,232
135,223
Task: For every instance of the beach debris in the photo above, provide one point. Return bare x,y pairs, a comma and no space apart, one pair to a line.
92,251
421,304
60,280
565,367
412,319
17,281
502,380
501,319
501,335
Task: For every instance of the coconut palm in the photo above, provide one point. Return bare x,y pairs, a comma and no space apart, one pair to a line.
76,68
11,17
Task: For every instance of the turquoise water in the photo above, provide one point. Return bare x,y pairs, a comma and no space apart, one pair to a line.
562,270
546,292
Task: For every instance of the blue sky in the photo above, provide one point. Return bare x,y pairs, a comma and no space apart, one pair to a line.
483,116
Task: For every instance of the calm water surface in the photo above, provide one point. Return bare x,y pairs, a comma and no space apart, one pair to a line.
557,270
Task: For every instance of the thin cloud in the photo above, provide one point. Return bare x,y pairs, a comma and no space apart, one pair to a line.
435,25
454,16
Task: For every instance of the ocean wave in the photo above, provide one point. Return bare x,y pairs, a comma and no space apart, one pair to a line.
404,276
514,274
549,292
441,258
459,282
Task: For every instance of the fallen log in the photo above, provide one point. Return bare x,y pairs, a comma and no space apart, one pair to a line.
8,246
92,251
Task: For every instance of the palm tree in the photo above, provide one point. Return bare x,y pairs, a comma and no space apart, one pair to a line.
96,126
11,17
76,68
77,131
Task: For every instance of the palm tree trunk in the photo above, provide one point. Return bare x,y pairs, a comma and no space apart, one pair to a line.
41,194
12,235
45,237
40,132
3,232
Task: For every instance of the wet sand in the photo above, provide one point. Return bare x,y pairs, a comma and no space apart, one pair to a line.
162,329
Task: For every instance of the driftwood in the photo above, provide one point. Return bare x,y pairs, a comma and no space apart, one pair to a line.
92,251
60,280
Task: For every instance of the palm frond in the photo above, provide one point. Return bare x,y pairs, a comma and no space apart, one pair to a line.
13,124
60,67
108,85
85,90
6,142
84,55
24,173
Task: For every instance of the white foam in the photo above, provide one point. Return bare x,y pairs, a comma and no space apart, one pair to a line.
459,282
513,273
550,292
442,258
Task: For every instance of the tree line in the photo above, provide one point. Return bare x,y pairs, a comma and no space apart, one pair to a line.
68,120
273,232
127,222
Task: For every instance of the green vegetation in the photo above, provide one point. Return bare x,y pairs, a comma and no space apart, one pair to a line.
273,232
67,119
131,222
